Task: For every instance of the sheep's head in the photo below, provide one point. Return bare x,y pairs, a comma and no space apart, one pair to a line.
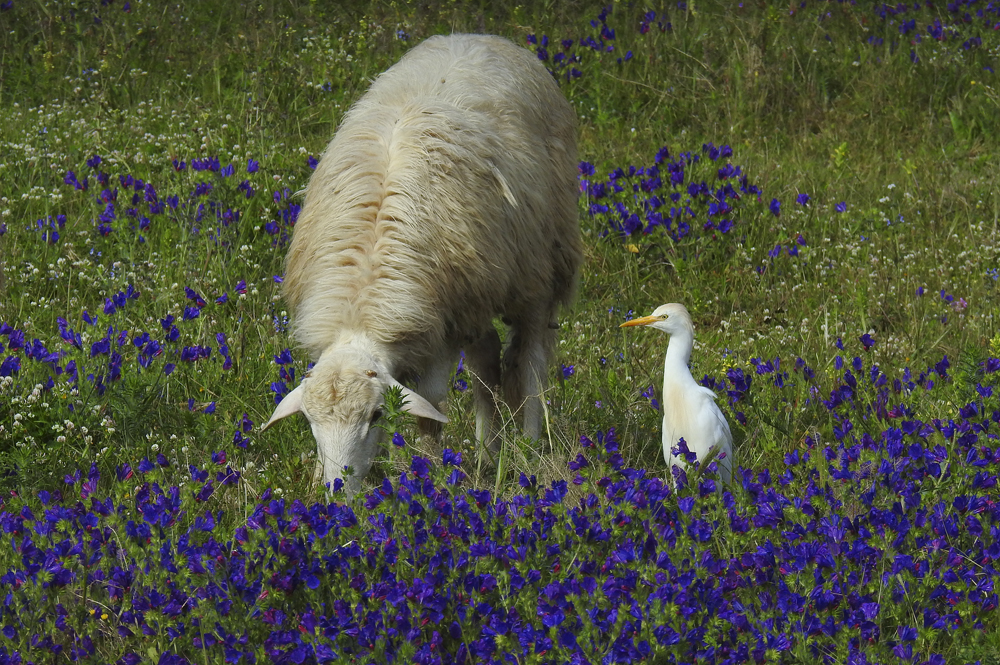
342,399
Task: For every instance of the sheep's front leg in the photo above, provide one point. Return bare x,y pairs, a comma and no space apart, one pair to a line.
433,386
483,359
525,371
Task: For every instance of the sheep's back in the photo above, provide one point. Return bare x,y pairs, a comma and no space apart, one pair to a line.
448,195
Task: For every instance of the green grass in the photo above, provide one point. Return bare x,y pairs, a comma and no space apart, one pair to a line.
839,119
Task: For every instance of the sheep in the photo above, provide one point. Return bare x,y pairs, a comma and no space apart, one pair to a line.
446,198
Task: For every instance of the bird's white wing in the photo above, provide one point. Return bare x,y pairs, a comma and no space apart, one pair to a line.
710,429
692,413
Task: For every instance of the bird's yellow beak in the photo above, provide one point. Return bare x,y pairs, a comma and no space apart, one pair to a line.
641,321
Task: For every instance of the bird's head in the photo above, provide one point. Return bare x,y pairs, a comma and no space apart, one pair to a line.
671,318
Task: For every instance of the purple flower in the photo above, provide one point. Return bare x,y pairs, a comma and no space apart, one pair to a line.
802,199
840,207
775,207
11,365
420,466
568,371
398,440
195,296
192,354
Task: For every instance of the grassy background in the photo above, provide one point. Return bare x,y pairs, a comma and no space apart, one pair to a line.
823,98
885,117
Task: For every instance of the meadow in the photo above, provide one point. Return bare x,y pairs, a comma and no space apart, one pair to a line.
816,181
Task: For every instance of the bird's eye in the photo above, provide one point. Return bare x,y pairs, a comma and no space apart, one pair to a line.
376,416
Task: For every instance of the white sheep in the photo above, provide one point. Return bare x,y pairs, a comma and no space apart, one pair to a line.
446,198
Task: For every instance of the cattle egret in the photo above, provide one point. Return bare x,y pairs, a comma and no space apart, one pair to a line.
689,410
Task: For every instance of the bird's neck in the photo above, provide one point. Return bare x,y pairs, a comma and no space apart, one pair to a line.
678,354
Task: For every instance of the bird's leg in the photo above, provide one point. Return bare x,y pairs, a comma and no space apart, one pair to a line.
483,359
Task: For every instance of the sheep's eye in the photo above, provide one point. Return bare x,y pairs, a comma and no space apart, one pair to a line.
376,416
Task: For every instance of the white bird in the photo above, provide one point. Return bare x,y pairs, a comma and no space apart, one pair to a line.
689,410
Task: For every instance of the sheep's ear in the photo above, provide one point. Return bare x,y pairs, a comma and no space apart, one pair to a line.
418,406
291,404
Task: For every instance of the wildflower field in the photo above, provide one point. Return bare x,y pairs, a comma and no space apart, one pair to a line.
815,180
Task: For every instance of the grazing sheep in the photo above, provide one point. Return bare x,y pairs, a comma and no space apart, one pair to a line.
446,198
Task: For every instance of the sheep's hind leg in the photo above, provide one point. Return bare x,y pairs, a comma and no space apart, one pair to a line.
526,362
483,358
